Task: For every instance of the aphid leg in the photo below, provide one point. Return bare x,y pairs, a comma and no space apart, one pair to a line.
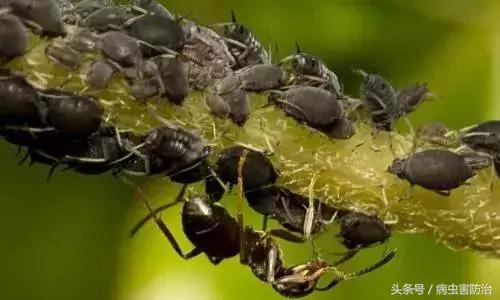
286,235
410,126
347,276
444,193
159,222
383,107
25,157
178,199
152,111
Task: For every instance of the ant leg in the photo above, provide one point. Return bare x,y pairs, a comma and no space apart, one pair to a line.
159,222
286,235
343,277
239,206
264,222
157,210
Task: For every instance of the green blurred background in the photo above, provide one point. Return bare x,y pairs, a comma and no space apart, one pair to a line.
67,239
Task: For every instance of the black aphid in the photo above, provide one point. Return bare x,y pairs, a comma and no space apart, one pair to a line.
359,230
44,15
19,101
13,36
308,69
243,45
437,170
71,113
314,106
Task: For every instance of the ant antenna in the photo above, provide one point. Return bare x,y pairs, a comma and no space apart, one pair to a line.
297,48
233,17
178,199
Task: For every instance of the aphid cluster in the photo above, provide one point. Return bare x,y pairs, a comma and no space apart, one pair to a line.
161,54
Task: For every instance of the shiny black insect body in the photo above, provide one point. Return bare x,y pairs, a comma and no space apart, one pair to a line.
100,73
158,31
42,15
243,45
70,113
359,230
257,172
437,170
19,102
308,69
174,152
315,107
121,48
108,18
13,36
154,8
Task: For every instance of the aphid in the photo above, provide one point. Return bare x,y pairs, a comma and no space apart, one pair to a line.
155,8
121,48
13,36
19,102
436,170
211,59
44,15
174,78
313,106
99,74
100,153
85,41
229,99
483,137
262,77
82,10
156,30
70,113
384,104
64,56
359,230
243,45
436,134
410,98
379,98
108,18
169,151
310,70
291,210
258,172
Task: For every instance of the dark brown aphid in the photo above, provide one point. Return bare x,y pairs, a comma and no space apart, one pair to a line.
437,170
99,74
359,230
70,113
13,36
45,14
314,106
19,101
